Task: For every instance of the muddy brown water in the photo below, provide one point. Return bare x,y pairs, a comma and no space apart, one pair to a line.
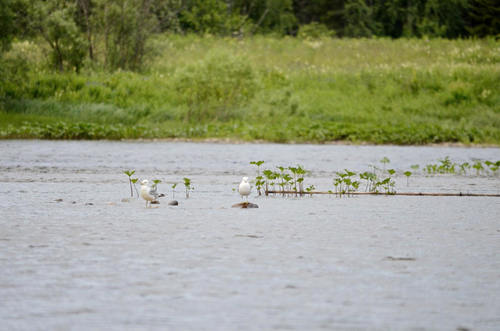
73,256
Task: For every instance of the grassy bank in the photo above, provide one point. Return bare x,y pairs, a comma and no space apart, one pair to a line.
286,89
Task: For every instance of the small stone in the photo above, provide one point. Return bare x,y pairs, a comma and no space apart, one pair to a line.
89,204
173,203
125,200
58,200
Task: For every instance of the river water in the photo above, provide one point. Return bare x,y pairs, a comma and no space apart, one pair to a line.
76,254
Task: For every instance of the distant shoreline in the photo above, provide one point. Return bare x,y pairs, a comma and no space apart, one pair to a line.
256,142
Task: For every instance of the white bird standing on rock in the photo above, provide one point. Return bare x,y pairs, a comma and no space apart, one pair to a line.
150,194
244,188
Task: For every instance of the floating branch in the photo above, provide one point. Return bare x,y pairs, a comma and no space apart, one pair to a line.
460,194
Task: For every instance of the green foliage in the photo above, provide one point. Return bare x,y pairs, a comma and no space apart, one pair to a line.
210,16
273,89
443,19
54,20
485,18
314,30
358,19
126,26
370,178
131,181
257,163
345,184
188,186
259,180
129,172
214,87
7,28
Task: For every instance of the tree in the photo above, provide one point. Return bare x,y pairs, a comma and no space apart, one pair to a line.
85,8
125,26
268,15
209,16
53,19
7,28
167,13
358,19
484,17
443,19
327,12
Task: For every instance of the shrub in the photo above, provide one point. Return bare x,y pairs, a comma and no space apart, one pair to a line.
215,87
314,30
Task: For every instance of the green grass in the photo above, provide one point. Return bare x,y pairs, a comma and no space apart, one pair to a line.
273,89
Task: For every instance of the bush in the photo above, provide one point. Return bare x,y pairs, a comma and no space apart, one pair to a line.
215,87
315,30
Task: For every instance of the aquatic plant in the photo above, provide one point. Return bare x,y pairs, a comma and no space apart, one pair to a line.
493,166
431,169
407,174
270,177
310,189
287,181
134,181
478,165
129,173
188,186
174,185
258,179
293,181
385,160
464,167
301,173
344,183
281,176
446,166
370,178
259,182
387,185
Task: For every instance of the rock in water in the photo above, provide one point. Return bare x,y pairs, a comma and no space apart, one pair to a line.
245,205
173,203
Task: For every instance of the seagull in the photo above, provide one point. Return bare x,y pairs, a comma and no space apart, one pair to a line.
150,194
244,188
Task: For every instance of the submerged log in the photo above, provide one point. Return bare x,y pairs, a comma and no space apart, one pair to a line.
459,194
245,205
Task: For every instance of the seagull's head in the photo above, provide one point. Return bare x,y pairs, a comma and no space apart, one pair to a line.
144,182
245,179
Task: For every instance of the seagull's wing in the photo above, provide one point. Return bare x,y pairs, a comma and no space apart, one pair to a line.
153,192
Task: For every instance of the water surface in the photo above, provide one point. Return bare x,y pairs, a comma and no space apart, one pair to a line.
74,256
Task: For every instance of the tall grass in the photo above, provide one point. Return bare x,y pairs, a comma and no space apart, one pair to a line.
278,89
